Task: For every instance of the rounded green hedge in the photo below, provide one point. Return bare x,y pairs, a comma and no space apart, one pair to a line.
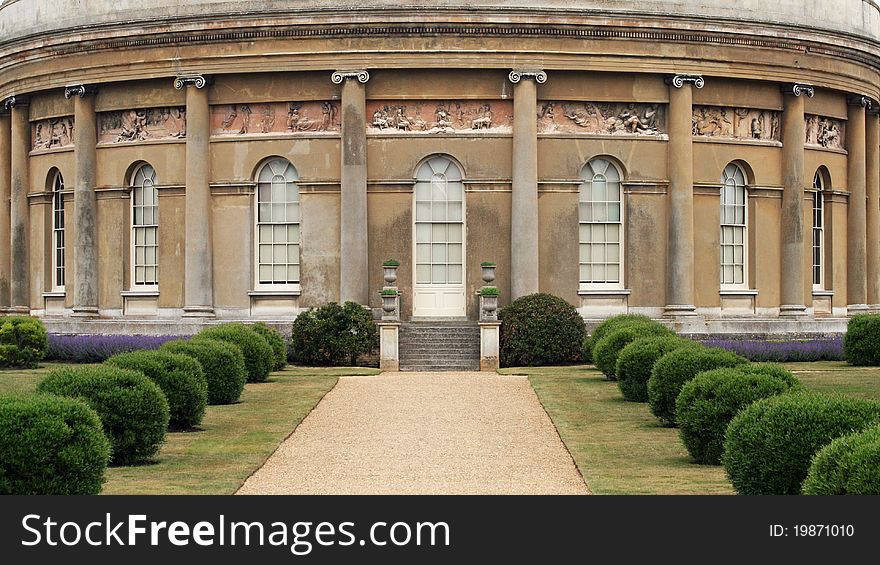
861,344
258,354
607,350
677,367
333,334
773,370
132,408
769,444
540,329
50,445
637,359
608,325
179,376
709,401
222,363
848,465
276,342
23,341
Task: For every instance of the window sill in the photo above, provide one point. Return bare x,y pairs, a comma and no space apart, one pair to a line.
738,292
604,292
264,292
139,293
55,294
818,292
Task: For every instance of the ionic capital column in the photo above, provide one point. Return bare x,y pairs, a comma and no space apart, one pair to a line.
857,258
354,280
5,195
20,146
524,184
198,280
85,204
792,244
680,201
872,216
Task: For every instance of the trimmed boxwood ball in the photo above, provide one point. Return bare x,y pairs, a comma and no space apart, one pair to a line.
50,445
276,341
132,408
677,367
773,370
637,359
258,354
606,351
861,344
848,465
540,329
222,363
179,376
768,446
608,325
708,402
23,341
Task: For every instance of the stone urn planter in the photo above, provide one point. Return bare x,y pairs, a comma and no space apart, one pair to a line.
488,303
488,272
389,303
389,271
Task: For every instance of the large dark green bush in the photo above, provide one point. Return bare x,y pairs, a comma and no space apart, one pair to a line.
709,401
50,445
608,325
222,363
333,335
132,408
540,329
23,341
677,367
636,360
769,444
607,350
848,465
179,376
861,344
276,341
258,354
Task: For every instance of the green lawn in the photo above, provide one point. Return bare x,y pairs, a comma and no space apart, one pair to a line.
620,448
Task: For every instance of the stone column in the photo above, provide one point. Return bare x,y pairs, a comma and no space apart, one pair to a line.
857,264
19,213
198,279
680,202
5,188
872,170
524,184
85,204
792,269
354,280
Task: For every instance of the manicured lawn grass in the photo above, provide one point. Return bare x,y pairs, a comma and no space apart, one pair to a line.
621,448
18,381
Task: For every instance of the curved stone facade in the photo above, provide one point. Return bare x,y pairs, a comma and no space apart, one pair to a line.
169,163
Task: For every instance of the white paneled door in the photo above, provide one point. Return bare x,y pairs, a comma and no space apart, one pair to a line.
439,240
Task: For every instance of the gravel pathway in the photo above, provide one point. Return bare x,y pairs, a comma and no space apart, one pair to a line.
423,433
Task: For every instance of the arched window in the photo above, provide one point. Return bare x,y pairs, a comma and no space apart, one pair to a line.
818,231
601,221
144,227
278,235
439,219
58,232
734,226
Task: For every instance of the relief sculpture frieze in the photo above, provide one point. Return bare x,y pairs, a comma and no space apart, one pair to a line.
735,123
142,124
824,132
601,118
275,117
52,133
440,116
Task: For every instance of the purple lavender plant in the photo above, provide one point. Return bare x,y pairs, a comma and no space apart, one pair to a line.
97,348
781,351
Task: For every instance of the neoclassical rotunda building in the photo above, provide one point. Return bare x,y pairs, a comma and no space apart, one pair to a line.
170,163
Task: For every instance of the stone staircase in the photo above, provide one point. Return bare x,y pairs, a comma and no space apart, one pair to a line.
439,346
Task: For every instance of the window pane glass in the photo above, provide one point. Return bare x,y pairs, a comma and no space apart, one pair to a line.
423,253
614,212
600,212
585,252
292,212
265,213
279,253
612,233
265,273
293,273
612,273
598,252
293,254
613,190
423,233
738,254
438,211
293,233
438,253
738,274
585,232
454,274
279,233
279,273
423,211
438,274
264,193
423,191
438,232
150,235
454,233
598,233
423,274
454,253
598,273
598,192
455,211
265,253
585,273
613,253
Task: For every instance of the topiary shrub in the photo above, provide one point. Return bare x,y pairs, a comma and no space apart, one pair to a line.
637,359
23,341
333,335
848,465
861,344
606,351
540,329
179,376
50,445
587,349
677,367
132,408
773,370
258,354
708,402
276,342
222,363
768,446
608,325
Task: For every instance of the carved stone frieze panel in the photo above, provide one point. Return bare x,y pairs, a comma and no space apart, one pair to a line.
52,133
142,124
601,118
821,131
275,117
439,116
736,123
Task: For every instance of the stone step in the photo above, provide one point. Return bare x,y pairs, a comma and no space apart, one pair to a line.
439,346
438,368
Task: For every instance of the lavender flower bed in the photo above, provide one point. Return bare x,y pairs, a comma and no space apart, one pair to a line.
97,348
829,349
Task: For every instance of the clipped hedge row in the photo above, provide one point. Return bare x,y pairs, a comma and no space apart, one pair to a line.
222,363
607,349
636,361
276,341
848,465
258,354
